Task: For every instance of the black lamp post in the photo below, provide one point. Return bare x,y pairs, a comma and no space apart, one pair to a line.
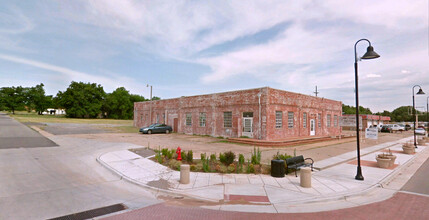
370,54
420,92
427,110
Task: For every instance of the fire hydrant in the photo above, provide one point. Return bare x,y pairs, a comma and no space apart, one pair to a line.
179,154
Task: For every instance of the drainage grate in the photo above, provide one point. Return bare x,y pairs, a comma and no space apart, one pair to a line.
92,213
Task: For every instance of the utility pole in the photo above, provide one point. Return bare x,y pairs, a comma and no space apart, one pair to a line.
150,107
316,92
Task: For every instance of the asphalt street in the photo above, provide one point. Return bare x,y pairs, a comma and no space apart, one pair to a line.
16,135
419,183
40,181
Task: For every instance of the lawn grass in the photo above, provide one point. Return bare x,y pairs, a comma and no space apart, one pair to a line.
26,117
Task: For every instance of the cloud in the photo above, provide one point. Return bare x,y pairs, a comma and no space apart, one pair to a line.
372,75
14,22
111,82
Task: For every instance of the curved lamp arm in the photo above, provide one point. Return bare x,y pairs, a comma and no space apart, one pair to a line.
415,87
363,39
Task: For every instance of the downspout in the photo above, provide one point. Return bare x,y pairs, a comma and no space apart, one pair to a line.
260,119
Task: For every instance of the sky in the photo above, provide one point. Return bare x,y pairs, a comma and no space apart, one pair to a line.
185,48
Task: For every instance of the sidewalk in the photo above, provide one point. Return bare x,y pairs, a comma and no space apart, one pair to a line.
333,187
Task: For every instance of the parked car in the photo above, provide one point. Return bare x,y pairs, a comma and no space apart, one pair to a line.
407,127
420,131
398,127
156,128
386,128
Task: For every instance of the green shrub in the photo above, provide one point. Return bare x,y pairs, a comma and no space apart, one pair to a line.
199,167
164,152
193,168
231,168
248,166
206,166
244,137
203,157
251,168
223,169
256,156
222,158
240,163
213,157
183,155
240,159
229,157
190,156
279,156
158,156
171,153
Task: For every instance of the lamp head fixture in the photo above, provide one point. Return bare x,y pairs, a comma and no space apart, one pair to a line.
370,54
420,92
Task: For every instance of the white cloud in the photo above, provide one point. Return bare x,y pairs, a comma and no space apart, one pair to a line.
372,75
14,22
111,82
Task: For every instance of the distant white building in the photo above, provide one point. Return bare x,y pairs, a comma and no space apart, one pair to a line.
51,111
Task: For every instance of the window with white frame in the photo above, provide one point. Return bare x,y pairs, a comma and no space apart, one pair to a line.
328,120
290,119
227,119
279,116
202,119
304,120
188,119
319,120
335,120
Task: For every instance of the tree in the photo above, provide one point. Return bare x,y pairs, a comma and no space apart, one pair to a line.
349,110
120,104
384,113
402,113
12,98
137,98
81,100
37,100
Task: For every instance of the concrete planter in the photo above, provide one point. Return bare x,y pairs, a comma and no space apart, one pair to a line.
383,162
392,159
421,142
408,150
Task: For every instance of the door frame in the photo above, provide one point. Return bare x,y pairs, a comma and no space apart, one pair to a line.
312,125
248,134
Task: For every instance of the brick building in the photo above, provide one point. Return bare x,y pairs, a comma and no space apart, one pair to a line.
262,113
348,122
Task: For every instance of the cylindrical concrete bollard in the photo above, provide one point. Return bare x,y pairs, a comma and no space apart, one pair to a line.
305,177
185,170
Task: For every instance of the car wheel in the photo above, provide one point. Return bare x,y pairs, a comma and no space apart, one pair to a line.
167,131
149,131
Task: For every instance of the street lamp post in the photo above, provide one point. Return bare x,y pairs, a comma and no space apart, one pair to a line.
150,107
370,54
420,92
427,110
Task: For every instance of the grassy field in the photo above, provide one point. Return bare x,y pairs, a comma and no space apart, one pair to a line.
26,117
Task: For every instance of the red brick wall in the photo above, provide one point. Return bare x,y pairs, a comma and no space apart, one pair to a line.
237,102
298,104
214,105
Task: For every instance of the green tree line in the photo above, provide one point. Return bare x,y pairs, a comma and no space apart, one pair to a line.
400,114
80,100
